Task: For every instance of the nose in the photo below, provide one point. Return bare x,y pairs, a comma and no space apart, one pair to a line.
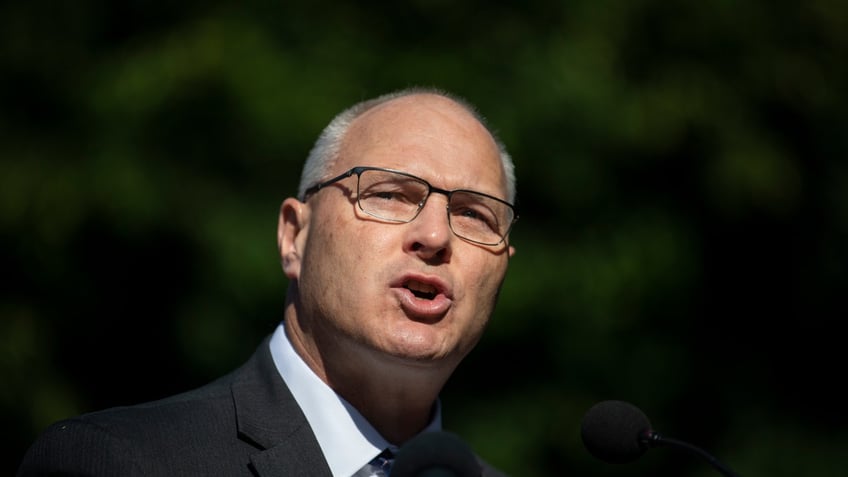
429,236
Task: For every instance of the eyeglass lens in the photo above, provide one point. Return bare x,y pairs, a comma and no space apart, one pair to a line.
399,198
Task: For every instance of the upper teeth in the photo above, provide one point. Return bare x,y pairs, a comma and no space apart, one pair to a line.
421,287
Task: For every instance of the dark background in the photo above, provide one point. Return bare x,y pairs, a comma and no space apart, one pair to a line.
682,184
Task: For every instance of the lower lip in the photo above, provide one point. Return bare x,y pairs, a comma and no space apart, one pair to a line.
422,309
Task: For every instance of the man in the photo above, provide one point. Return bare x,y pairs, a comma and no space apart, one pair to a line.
395,251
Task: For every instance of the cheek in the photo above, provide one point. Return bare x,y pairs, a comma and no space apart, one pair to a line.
324,262
482,287
347,255
491,275
486,285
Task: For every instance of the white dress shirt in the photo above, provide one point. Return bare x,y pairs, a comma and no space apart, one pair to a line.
347,440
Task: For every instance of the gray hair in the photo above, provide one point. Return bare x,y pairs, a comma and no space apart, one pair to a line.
327,148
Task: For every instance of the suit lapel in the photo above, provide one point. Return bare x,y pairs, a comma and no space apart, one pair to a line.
295,456
269,418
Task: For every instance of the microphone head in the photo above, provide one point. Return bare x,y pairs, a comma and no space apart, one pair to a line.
437,453
612,431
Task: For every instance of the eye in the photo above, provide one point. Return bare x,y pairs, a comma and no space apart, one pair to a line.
480,216
472,214
386,195
393,190
389,195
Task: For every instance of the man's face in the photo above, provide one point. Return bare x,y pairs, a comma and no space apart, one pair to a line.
357,276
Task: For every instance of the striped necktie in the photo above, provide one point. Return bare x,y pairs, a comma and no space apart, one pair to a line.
379,466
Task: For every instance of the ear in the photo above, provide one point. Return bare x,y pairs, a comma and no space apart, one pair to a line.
291,235
511,251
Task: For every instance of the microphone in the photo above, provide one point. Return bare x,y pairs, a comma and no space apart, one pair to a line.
618,432
436,454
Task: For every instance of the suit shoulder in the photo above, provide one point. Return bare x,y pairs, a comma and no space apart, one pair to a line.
79,447
209,408
126,440
192,433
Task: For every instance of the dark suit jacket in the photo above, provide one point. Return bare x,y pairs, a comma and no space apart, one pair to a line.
246,423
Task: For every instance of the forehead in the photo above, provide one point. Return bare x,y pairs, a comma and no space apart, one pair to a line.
429,136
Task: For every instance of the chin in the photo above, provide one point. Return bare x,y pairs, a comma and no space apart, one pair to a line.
425,353
424,343
421,348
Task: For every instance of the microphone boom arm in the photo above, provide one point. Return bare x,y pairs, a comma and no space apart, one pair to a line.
654,439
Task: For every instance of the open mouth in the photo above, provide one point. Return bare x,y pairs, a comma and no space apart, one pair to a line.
423,291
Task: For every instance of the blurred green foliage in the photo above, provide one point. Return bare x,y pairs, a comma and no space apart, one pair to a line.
682,185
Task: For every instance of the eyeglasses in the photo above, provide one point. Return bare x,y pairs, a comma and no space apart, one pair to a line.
398,197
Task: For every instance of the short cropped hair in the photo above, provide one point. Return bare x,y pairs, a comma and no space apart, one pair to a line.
327,148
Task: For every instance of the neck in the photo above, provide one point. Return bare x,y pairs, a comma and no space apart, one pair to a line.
397,397
398,414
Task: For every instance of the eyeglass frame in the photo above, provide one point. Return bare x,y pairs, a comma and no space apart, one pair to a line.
358,170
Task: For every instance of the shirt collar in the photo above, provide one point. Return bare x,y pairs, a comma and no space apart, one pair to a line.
347,439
